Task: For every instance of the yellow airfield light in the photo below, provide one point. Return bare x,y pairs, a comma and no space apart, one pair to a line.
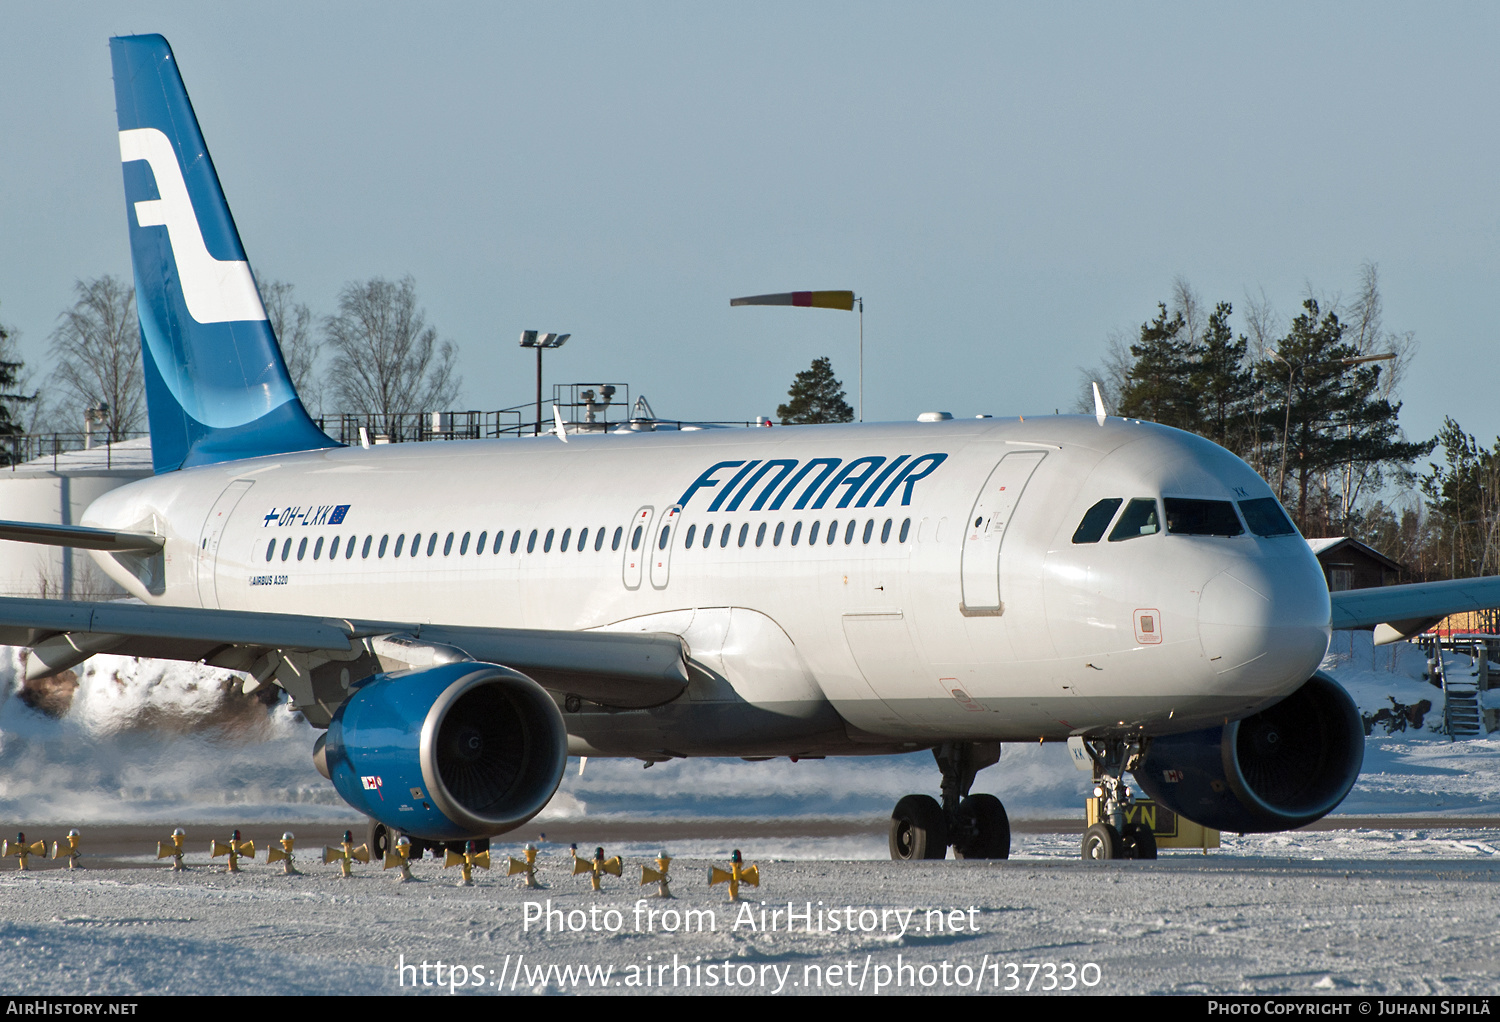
526,866
400,856
468,859
67,848
173,848
235,848
23,850
597,867
658,875
285,854
346,854
738,873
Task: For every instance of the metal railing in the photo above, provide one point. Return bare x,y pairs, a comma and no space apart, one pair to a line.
19,448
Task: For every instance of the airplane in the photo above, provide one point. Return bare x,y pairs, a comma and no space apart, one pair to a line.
460,618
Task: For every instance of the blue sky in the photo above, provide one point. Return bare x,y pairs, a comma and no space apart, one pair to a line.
1004,185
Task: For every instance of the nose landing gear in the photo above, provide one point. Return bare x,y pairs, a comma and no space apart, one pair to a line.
976,826
1112,837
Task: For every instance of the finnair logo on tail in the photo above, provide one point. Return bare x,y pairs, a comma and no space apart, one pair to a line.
215,290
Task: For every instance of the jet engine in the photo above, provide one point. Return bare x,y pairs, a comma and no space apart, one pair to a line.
460,750
1283,768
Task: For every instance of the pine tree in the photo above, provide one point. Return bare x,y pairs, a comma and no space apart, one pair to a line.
1159,387
10,380
816,396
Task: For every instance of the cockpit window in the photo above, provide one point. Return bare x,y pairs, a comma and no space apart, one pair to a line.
1096,520
1201,517
1139,519
1265,517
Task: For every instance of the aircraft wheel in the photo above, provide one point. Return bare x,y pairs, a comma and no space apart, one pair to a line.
1138,841
1102,841
988,827
918,830
378,837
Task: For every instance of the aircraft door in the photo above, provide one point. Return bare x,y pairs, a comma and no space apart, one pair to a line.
661,548
984,532
637,547
213,533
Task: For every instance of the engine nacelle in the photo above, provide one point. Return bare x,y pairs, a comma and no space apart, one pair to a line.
455,751
1283,768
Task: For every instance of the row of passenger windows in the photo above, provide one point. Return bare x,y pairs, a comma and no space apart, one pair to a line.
345,547
1185,517
415,547
851,528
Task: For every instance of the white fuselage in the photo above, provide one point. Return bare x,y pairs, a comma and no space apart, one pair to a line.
1004,630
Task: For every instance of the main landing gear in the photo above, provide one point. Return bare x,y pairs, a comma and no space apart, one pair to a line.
975,825
1112,837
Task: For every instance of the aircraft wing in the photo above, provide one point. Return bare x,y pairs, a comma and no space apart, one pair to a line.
619,669
1399,612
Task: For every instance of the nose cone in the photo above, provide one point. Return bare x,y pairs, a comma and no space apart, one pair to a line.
1264,624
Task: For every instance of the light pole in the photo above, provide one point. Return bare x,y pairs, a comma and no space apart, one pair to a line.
541,341
1291,372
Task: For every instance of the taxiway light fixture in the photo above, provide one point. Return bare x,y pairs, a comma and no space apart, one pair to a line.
173,848
738,873
541,341
285,854
658,875
23,850
468,860
526,866
848,301
67,848
597,867
346,854
233,849
400,857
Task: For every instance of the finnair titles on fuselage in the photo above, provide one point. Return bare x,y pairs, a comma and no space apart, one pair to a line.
462,616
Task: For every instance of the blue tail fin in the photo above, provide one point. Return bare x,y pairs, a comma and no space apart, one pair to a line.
216,386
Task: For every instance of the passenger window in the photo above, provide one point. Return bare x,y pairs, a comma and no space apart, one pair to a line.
447,545
364,551
381,551
812,534
666,534
1139,519
635,538
479,544
583,540
1201,517
432,543
905,529
301,548
599,538
1096,519
614,542
885,531
349,550
567,538
416,543
849,533
833,531
463,545
1265,517
515,540
796,533
531,541
270,549
692,529
286,548
547,543
708,535
400,539
776,539
500,539
760,534
724,536
869,530
318,547
744,533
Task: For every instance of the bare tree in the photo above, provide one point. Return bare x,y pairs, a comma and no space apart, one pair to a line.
291,321
97,348
386,359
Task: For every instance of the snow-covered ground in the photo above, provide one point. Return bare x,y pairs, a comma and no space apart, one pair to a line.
1379,910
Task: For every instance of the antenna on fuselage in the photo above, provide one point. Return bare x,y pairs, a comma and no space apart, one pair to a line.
1099,412
559,428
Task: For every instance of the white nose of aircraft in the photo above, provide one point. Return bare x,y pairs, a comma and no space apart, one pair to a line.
1263,621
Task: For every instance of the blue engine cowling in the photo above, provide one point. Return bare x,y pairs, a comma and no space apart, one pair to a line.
456,751
1282,768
